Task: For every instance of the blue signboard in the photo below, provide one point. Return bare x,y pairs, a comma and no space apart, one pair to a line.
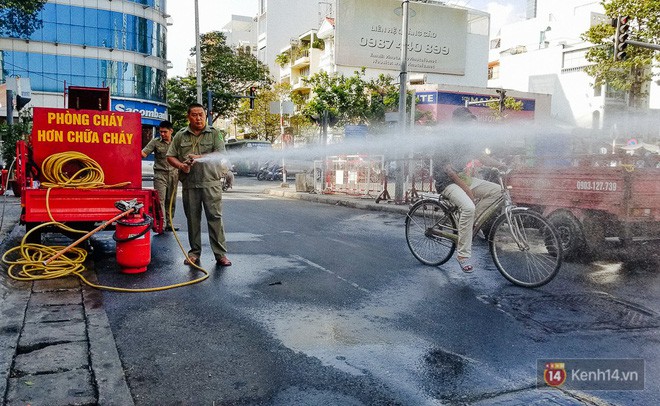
152,114
355,132
458,99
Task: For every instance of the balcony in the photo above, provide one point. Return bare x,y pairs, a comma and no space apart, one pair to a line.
302,59
285,73
300,86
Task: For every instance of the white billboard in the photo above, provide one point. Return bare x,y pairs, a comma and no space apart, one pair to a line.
369,34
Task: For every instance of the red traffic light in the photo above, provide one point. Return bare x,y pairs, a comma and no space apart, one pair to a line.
621,37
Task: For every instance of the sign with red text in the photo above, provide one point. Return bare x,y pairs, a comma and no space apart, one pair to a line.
112,139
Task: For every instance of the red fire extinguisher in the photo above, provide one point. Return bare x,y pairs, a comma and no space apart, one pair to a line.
133,242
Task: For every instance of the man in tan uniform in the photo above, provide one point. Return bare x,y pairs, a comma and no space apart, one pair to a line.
166,177
200,172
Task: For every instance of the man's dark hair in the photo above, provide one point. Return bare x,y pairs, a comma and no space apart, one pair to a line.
194,105
166,124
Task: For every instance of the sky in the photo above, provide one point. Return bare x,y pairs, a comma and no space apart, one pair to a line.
214,14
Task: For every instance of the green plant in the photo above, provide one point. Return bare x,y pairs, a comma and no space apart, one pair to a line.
282,59
301,51
318,43
10,135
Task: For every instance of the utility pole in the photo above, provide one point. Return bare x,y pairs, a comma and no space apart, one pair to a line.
10,107
209,104
403,79
198,56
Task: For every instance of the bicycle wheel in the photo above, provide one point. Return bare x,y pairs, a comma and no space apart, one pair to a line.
527,252
429,231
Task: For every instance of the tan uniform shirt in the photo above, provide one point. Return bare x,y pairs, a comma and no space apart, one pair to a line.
205,172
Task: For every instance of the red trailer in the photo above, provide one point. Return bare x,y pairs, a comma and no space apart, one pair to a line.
601,199
110,141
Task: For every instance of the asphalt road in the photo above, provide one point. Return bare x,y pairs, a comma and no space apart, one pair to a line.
325,305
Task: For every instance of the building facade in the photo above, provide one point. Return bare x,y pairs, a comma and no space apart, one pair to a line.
118,44
545,54
241,32
281,21
316,50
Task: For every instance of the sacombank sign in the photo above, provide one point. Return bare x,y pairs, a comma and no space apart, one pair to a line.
151,113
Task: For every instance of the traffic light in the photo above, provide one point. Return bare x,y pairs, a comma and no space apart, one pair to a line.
21,102
620,37
252,92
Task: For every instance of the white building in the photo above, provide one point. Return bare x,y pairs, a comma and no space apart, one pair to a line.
241,32
280,21
371,37
544,54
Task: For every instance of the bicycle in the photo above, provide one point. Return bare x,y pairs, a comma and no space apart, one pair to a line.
525,247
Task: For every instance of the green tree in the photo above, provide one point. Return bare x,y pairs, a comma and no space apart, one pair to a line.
12,133
510,104
228,73
19,18
351,100
261,122
181,92
225,72
631,74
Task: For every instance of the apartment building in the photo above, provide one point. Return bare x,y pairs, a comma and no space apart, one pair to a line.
448,45
545,54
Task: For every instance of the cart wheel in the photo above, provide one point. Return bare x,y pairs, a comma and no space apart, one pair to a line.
15,187
35,236
570,233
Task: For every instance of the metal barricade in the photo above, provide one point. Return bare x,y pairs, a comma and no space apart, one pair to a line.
358,175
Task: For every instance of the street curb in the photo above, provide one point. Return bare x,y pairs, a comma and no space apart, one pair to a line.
105,362
340,200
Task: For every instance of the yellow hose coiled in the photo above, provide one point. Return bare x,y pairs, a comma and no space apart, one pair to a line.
90,176
31,257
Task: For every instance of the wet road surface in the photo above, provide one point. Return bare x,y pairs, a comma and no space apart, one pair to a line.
325,305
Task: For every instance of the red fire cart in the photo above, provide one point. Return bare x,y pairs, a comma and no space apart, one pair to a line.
112,140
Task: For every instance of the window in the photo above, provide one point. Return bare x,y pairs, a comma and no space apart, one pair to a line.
50,64
494,71
575,59
612,93
63,15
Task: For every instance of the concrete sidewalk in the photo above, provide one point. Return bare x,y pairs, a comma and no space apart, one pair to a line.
56,345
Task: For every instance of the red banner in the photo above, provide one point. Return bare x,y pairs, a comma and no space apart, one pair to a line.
110,138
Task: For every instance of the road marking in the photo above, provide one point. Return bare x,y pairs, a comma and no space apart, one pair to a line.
315,265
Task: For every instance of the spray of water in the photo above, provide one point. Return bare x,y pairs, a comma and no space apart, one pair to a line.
518,138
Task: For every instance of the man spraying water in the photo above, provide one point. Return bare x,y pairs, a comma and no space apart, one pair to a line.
201,179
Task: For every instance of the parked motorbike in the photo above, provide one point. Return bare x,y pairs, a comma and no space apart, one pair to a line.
263,171
227,181
274,172
227,175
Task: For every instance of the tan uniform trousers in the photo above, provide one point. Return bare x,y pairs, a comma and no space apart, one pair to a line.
210,199
486,192
166,182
